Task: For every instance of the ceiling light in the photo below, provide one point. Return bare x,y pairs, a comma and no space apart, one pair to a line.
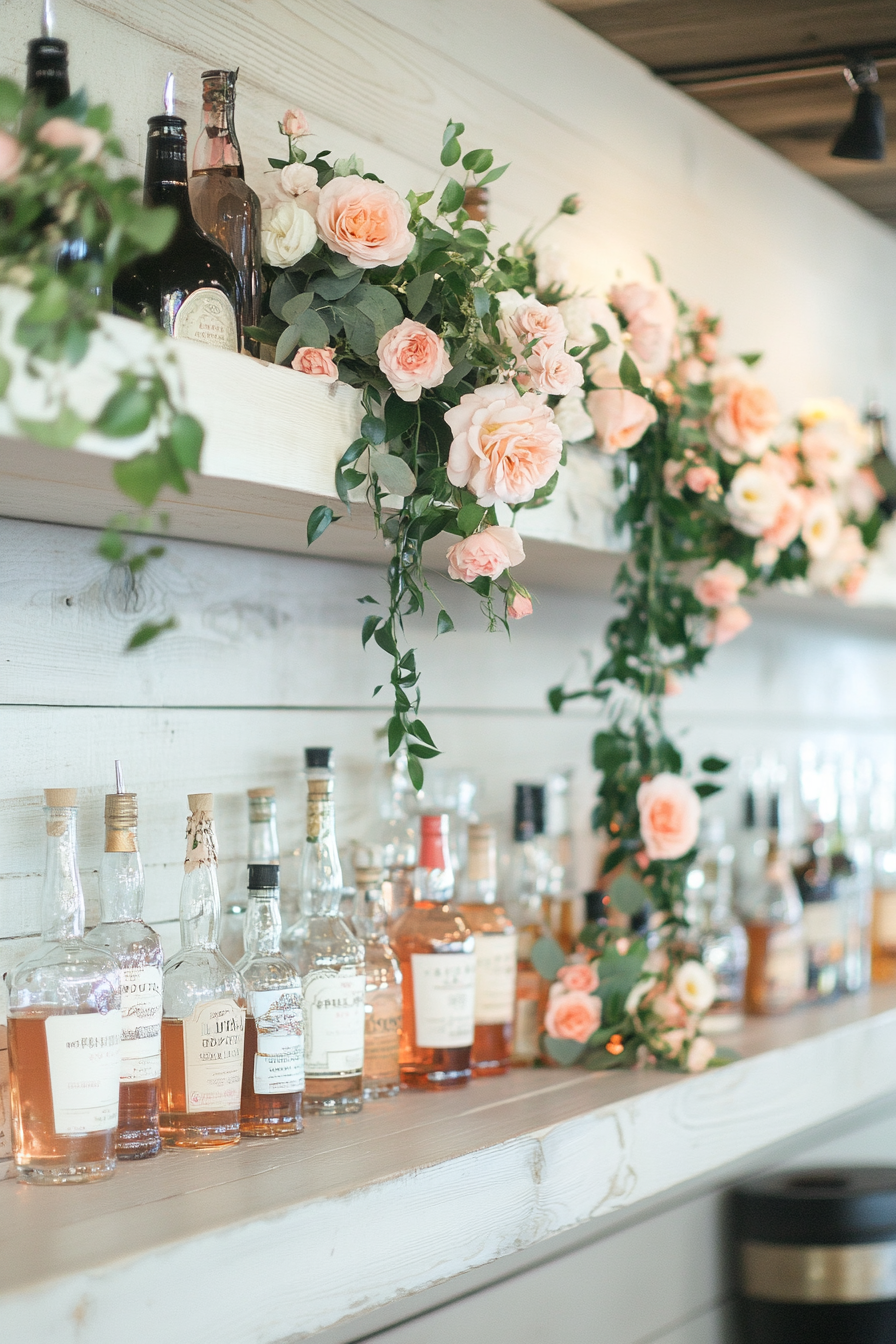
866,135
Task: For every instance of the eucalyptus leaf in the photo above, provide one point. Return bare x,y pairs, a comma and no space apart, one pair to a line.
562,1051
382,307
393,474
628,894
313,330
127,412
547,956
293,308
285,287
288,343
418,291
63,432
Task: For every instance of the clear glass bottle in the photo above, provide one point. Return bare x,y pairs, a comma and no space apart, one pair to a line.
564,910
204,1003
883,944
64,1028
750,849
224,205
436,951
328,956
264,847
398,831
137,951
383,996
529,878
496,954
823,915
274,1057
722,944
773,919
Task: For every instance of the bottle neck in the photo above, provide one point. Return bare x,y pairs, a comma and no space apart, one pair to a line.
121,876
47,76
320,878
200,902
369,914
264,845
217,148
261,933
165,177
62,902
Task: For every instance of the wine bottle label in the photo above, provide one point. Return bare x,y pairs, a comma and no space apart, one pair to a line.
334,1022
823,924
495,978
84,1051
786,968
213,1056
444,999
141,1023
526,1026
279,1065
207,316
885,918
383,1024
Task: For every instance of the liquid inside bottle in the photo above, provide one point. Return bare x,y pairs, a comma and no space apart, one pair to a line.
496,943
530,879
777,962
383,993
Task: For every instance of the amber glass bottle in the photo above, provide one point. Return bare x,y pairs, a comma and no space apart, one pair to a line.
496,951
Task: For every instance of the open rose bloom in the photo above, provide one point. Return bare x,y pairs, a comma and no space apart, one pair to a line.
669,814
486,554
506,445
573,1016
364,221
413,357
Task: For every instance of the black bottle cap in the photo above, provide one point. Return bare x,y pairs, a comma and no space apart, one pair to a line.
596,903
833,1206
47,72
774,812
318,758
749,810
264,876
528,811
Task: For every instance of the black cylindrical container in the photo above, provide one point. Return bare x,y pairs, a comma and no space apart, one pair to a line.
816,1255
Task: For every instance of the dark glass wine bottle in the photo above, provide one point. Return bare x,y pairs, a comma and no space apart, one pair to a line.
190,288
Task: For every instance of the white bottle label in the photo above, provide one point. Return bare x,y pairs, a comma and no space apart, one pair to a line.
141,1023
823,923
885,918
334,1022
84,1051
786,966
444,999
207,316
495,978
213,1056
279,1065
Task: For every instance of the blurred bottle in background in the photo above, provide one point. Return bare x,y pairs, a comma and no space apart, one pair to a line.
397,806
772,913
883,844
563,907
496,954
529,882
264,847
720,941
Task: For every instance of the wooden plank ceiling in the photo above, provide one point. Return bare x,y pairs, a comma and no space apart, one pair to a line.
772,67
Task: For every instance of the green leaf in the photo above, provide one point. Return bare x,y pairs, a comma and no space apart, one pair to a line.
5,375
444,623
386,640
714,764
186,440
393,474
478,160
111,545
370,624
493,175
285,287
62,432
11,100
141,477
547,956
452,197
50,304
148,631
602,337
415,772
127,412
751,359
563,1051
469,518
372,600
629,375
418,291
419,729
401,416
395,734
288,343
293,308
373,429
628,894
351,454
382,307
555,698
337,286
424,753
482,302
359,330
152,228
312,329
318,521
706,790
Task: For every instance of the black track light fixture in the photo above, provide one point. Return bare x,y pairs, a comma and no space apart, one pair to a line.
866,135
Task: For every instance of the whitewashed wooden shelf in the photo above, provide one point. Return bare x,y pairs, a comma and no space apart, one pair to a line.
285,1238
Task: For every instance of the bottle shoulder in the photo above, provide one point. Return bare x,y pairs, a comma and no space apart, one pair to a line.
130,942
426,926
69,974
482,918
268,971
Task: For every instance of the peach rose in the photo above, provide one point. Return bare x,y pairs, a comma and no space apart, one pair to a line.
519,606
413,357
294,122
701,1052
364,221
719,586
652,317
553,370
573,1016
63,133
755,499
485,554
580,975
11,156
703,479
788,521
742,417
729,623
318,363
671,477
621,418
506,445
669,812
522,321
821,524
670,1010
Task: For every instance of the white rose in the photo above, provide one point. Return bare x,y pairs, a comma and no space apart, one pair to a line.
821,526
572,419
288,233
633,1002
755,499
551,271
695,986
298,181
582,313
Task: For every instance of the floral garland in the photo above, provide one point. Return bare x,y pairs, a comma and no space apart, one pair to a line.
67,226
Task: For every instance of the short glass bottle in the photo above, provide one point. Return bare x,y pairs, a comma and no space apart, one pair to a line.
382,1028
274,1057
773,919
529,880
204,1003
264,847
328,956
436,952
64,1029
496,954
137,951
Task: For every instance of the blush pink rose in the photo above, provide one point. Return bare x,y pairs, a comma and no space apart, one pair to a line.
719,586
669,812
319,363
506,445
702,479
755,499
652,318
522,321
413,357
621,418
573,1016
729,623
671,476
742,417
581,975
298,182
519,606
788,521
701,1052
11,156
364,221
294,123
485,554
63,133
553,370
670,1010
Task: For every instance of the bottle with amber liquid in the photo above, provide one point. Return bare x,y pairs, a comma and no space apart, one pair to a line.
137,951
190,288
382,1023
496,954
530,877
64,1028
772,913
224,204
274,1057
436,952
328,956
204,1007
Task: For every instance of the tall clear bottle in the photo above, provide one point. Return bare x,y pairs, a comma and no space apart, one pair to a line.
204,1003
137,951
64,1028
773,919
398,828
264,847
496,954
721,938
436,951
224,204
274,1057
383,997
328,956
529,881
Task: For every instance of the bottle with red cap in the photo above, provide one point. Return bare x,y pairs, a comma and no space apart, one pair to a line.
436,950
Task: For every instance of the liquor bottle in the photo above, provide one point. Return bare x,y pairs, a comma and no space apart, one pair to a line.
64,1028
137,951
563,909
722,941
328,956
823,915
436,951
190,288
224,204
264,847
204,1003
399,836
750,849
496,953
382,1027
530,866
773,919
274,1057
46,78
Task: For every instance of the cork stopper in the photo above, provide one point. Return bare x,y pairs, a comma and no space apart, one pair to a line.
482,859
267,792
61,797
201,802
121,823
